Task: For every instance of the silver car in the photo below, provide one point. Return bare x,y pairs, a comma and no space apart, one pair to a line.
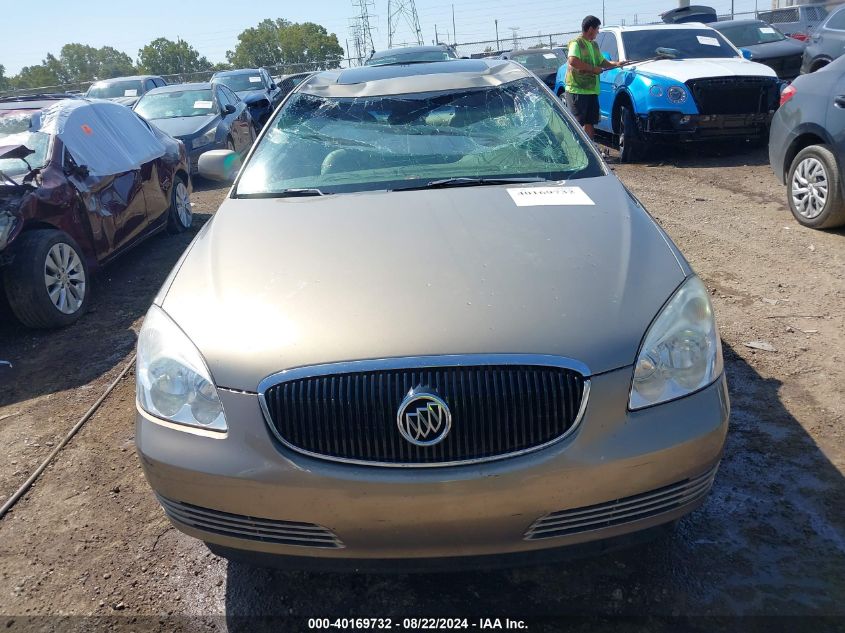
428,323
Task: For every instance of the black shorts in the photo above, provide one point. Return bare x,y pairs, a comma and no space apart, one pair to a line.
585,108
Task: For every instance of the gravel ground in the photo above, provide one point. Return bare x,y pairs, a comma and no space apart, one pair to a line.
90,540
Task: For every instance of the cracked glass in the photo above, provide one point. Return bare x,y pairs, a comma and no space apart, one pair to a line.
347,144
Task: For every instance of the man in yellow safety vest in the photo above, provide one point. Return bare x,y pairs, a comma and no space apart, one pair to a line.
585,64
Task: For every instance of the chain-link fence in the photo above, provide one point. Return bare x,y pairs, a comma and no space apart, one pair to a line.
284,68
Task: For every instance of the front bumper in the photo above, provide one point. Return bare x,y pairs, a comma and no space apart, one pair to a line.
249,480
676,126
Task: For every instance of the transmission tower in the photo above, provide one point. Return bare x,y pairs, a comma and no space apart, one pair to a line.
360,29
399,11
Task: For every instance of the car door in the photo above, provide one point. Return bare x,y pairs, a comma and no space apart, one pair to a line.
835,123
607,80
149,84
831,37
115,206
241,123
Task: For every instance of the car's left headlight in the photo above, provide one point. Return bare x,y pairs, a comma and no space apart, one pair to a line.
205,139
173,382
676,94
681,353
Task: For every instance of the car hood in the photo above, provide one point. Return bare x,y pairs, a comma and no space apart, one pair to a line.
251,96
272,284
184,126
682,70
784,48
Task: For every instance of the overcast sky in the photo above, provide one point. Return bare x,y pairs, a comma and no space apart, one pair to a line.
212,26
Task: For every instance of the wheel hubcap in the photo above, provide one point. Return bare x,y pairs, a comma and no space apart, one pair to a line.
809,188
183,204
64,278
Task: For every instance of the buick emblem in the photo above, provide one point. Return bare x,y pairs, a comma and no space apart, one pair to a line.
424,418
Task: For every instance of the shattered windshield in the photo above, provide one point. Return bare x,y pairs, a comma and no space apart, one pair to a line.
14,130
170,105
113,90
351,144
689,43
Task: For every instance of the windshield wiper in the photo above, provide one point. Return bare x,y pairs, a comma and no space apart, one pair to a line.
301,193
445,183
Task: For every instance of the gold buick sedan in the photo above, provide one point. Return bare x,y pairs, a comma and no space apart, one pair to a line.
427,325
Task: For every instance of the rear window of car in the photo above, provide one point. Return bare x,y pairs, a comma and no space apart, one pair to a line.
115,89
752,34
545,59
836,21
409,58
340,145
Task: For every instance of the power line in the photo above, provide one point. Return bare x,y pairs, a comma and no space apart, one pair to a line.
402,10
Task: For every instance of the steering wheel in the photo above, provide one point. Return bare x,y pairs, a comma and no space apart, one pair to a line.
332,160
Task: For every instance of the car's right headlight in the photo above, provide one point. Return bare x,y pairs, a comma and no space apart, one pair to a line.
173,382
681,353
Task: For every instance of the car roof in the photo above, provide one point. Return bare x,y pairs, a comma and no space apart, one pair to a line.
180,88
528,51
662,27
239,71
716,25
128,78
33,102
410,49
455,74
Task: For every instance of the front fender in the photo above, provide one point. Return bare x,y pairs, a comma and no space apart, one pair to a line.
647,93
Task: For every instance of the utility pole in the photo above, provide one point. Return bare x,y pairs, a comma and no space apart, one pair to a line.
454,36
498,47
402,10
602,11
514,30
436,39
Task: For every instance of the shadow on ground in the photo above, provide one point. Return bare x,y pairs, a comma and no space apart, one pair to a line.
48,361
769,540
701,154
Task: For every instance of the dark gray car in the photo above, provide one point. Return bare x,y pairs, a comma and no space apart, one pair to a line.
124,90
543,62
203,116
766,44
826,43
256,88
807,146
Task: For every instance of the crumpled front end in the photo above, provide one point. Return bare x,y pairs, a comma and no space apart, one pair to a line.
11,218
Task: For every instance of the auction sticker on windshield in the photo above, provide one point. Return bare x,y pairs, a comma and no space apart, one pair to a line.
203,105
547,196
254,80
550,56
767,29
707,41
130,93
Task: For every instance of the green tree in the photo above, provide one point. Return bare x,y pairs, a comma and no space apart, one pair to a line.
281,42
221,66
166,57
4,81
38,76
113,63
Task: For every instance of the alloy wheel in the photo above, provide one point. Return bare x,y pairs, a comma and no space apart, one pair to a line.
64,277
809,188
183,204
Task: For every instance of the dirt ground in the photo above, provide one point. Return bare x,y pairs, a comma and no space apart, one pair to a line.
90,540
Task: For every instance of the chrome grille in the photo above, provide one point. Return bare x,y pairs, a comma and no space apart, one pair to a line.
620,511
735,95
247,527
497,410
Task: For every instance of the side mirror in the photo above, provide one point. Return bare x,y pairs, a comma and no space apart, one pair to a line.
229,109
746,53
607,56
272,86
219,164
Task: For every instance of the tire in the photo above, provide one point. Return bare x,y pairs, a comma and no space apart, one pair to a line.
814,188
631,145
819,65
179,216
47,284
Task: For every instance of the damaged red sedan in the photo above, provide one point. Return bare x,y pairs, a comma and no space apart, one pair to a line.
81,182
